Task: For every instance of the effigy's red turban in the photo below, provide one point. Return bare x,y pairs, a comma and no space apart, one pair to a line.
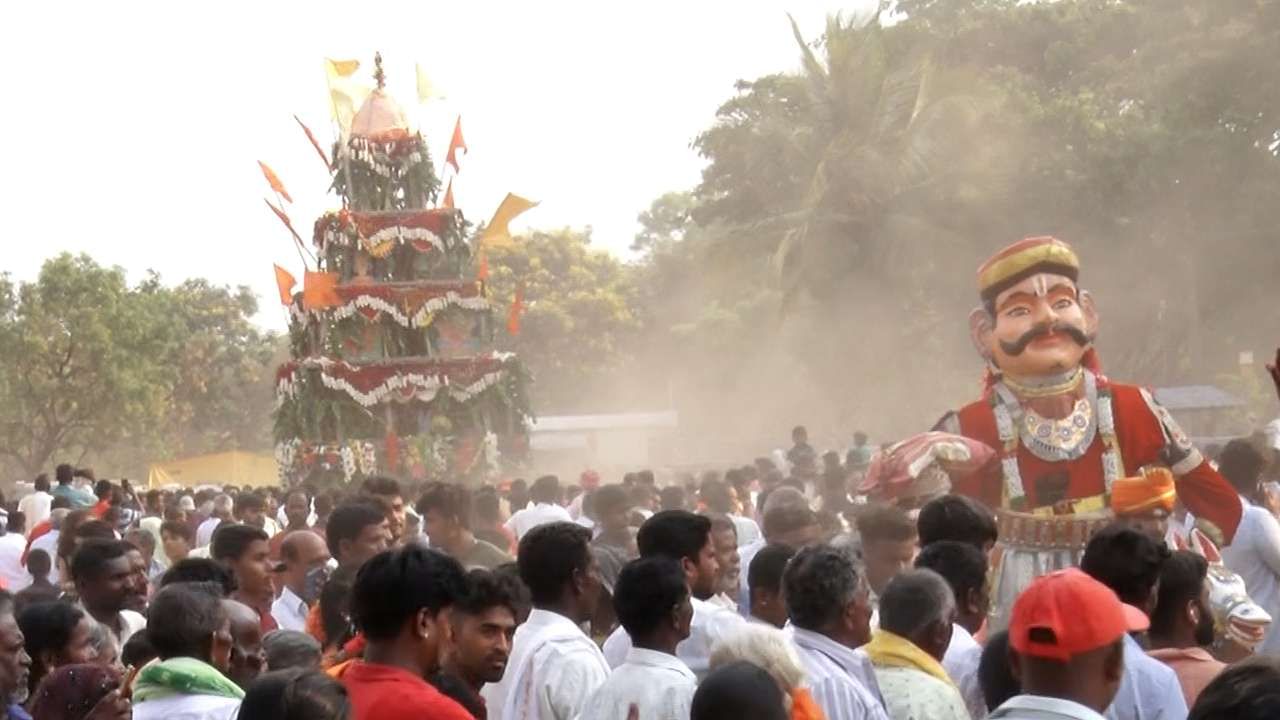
1024,259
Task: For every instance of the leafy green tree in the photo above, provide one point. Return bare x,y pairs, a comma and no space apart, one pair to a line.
223,396
93,370
84,364
580,312
1144,132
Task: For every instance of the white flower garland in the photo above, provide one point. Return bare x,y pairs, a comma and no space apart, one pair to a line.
285,456
355,455
368,458
421,319
377,157
424,387
348,462
379,243
375,243
1112,464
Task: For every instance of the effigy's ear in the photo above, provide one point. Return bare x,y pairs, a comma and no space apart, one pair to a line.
1090,311
981,325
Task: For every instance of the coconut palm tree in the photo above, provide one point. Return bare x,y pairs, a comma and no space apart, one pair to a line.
887,135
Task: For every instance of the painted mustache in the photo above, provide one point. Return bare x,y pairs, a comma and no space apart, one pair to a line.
1015,348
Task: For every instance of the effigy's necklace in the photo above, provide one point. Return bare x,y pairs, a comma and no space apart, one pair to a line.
1010,416
1055,440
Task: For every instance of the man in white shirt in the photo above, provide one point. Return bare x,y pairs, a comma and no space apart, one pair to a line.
545,494
686,538
653,604
37,505
724,539
590,481
830,614
1069,668
304,556
1129,562
48,542
554,666
718,497
222,507
1254,552
12,545
964,567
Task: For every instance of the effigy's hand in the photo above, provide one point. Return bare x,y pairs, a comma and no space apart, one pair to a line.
1274,369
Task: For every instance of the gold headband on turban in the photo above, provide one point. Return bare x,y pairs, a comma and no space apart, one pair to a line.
1024,259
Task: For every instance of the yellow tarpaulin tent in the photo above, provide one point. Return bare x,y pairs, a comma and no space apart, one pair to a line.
227,468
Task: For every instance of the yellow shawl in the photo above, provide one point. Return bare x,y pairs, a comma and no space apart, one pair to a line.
886,648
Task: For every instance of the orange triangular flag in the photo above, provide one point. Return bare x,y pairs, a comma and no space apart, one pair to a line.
448,195
318,290
456,144
284,219
482,272
285,282
517,307
315,143
274,181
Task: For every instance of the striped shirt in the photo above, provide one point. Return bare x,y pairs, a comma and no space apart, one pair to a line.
840,678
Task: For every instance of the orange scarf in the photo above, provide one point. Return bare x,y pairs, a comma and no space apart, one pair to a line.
804,707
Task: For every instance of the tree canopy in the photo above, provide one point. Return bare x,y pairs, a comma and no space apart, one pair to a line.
94,370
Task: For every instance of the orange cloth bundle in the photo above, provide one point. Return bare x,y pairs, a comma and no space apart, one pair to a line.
1153,490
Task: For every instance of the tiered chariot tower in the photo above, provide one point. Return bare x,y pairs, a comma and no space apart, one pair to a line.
393,368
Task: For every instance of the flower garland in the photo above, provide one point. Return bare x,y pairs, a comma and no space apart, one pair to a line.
401,381
416,308
348,462
1008,410
421,457
412,386
384,157
296,458
381,243
379,232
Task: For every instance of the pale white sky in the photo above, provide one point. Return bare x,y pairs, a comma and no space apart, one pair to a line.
131,129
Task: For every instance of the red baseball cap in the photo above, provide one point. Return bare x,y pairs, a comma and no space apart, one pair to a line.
1066,613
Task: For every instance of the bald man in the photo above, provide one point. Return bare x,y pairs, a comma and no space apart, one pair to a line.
247,656
304,556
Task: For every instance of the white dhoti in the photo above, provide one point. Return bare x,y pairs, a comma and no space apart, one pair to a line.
1031,545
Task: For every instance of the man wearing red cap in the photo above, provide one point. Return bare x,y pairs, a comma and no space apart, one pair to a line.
1064,434
1066,647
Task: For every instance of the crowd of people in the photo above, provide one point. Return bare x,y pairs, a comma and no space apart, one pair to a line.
765,592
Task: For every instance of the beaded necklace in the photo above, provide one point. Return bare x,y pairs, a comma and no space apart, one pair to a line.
1063,440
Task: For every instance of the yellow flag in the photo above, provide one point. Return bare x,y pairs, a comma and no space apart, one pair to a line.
496,233
345,93
341,68
426,88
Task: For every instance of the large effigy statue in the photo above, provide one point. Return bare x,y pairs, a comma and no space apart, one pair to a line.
1063,433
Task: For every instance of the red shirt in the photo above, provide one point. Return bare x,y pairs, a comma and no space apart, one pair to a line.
383,692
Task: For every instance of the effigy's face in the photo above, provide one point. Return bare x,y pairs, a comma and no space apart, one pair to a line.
1042,326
